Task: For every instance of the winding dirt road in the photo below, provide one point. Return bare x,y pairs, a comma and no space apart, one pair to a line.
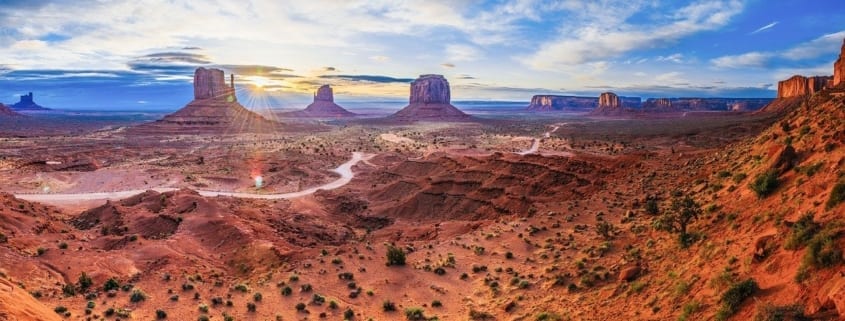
345,171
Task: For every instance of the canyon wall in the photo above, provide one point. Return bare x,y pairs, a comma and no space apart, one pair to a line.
797,86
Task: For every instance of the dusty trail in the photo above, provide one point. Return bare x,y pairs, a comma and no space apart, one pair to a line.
535,143
345,171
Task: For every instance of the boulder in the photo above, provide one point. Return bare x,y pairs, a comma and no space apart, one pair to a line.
629,274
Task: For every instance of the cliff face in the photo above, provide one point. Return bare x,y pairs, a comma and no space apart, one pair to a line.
609,100
324,93
659,105
797,86
211,83
430,89
839,68
430,100
562,103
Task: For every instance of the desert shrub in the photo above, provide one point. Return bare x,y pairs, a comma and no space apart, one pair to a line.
60,309
286,291
548,316
333,305
257,297
723,174
688,310
40,251
137,296
415,314
3,238
69,290
769,312
509,255
346,276
241,287
250,306
822,252
203,318
475,315
765,183
733,298
651,206
436,304
801,232
300,306
84,282
388,306
605,229
63,246
395,256
837,195
739,177
203,308
305,287
187,286
318,299
160,314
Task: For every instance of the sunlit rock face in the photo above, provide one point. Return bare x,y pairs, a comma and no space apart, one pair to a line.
839,68
430,99
609,101
797,86
211,83
561,103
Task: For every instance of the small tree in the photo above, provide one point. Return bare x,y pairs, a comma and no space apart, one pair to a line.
395,256
84,282
680,214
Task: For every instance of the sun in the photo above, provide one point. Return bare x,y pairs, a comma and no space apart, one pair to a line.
259,82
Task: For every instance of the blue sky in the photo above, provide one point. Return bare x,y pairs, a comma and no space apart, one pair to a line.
141,54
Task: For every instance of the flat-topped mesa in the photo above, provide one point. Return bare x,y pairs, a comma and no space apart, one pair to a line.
324,93
798,86
430,99
610,101
565,103
211,83
659,105
839,68
430,89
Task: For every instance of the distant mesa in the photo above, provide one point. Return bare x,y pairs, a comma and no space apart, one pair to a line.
27,103
5,111
609,103
215,108
430,100
574,103
323,106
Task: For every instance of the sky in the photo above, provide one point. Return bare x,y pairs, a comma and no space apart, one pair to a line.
136,55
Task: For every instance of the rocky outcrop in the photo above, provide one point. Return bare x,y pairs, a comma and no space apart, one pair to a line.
211,83
323,106
659,105
839,68
798,86
214,109
609,103
5,111
430,99
27,102
561,103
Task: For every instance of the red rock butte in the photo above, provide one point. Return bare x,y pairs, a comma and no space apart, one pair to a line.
430,100
323,106
215,108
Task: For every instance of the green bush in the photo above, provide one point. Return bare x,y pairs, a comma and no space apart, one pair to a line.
801,232
769,312
415,314
160,314
111,284
548,316
765,183
388,306
395,256
837,195
84,282
137,296
480,315
733,298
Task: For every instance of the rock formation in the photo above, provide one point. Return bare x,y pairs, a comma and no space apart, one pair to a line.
430,99
5,111
323,106
798,86
659,105
27,102
211,83
609,103
839,68
561,103
214,109
574,103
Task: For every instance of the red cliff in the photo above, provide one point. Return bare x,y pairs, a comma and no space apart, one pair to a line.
839,68
798,86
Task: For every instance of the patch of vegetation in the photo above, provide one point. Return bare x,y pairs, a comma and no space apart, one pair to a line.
161,314
688,310
765,183
475,315
548,316
84,282
683,211
733,298
822,252
739,177
415,314
809,170
651,206
769,312
388,306
837,195
137,296
395,256
801,232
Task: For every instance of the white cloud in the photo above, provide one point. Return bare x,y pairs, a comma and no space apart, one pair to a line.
462,53
746,60
828,44
380,58
602,39
764,28
676,58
